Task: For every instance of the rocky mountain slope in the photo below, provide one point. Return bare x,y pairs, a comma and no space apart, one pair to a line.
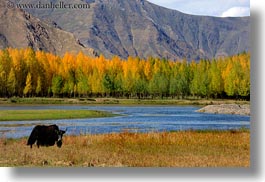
140,28
19,29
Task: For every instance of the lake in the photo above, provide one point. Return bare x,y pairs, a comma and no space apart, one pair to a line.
132,119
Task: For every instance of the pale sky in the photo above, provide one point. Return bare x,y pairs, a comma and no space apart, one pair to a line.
220,8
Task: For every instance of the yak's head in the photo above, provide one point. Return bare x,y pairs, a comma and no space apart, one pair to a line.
60,137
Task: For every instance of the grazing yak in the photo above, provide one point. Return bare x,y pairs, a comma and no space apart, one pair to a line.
46,136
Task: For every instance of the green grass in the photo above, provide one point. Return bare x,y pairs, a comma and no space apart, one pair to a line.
115,101
19,115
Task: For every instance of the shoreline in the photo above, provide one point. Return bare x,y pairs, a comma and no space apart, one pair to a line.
115,101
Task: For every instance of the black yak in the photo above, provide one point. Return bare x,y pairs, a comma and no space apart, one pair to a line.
46,136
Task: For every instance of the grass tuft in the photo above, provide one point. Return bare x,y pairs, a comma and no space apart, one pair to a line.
19,115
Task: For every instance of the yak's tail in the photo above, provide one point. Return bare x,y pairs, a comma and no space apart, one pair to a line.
33,137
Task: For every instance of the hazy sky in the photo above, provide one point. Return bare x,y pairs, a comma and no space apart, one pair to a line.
221,8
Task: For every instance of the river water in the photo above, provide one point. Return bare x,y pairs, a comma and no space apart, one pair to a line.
133,119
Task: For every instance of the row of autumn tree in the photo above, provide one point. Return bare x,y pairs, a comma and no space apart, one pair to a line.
25,72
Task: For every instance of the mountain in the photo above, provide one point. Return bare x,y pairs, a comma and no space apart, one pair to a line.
19,29
140,28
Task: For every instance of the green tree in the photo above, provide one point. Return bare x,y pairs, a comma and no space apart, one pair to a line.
200,83
128,83
108,83
159,85
82,84
231,78
57,84
183,79
141,88
173,86
244,84
216,82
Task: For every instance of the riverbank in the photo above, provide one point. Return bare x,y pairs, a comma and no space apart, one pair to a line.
20,115
227,109
95,101
167,149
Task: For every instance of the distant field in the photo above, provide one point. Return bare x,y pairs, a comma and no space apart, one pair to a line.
165,101
167,149
19,115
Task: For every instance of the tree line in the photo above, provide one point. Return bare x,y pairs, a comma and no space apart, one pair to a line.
28,73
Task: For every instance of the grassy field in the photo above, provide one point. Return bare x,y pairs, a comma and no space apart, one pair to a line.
167,149
19,115
166,101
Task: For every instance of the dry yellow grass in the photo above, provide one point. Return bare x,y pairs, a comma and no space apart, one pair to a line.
177,149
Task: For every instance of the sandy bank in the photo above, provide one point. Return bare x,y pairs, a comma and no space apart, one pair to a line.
226,109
